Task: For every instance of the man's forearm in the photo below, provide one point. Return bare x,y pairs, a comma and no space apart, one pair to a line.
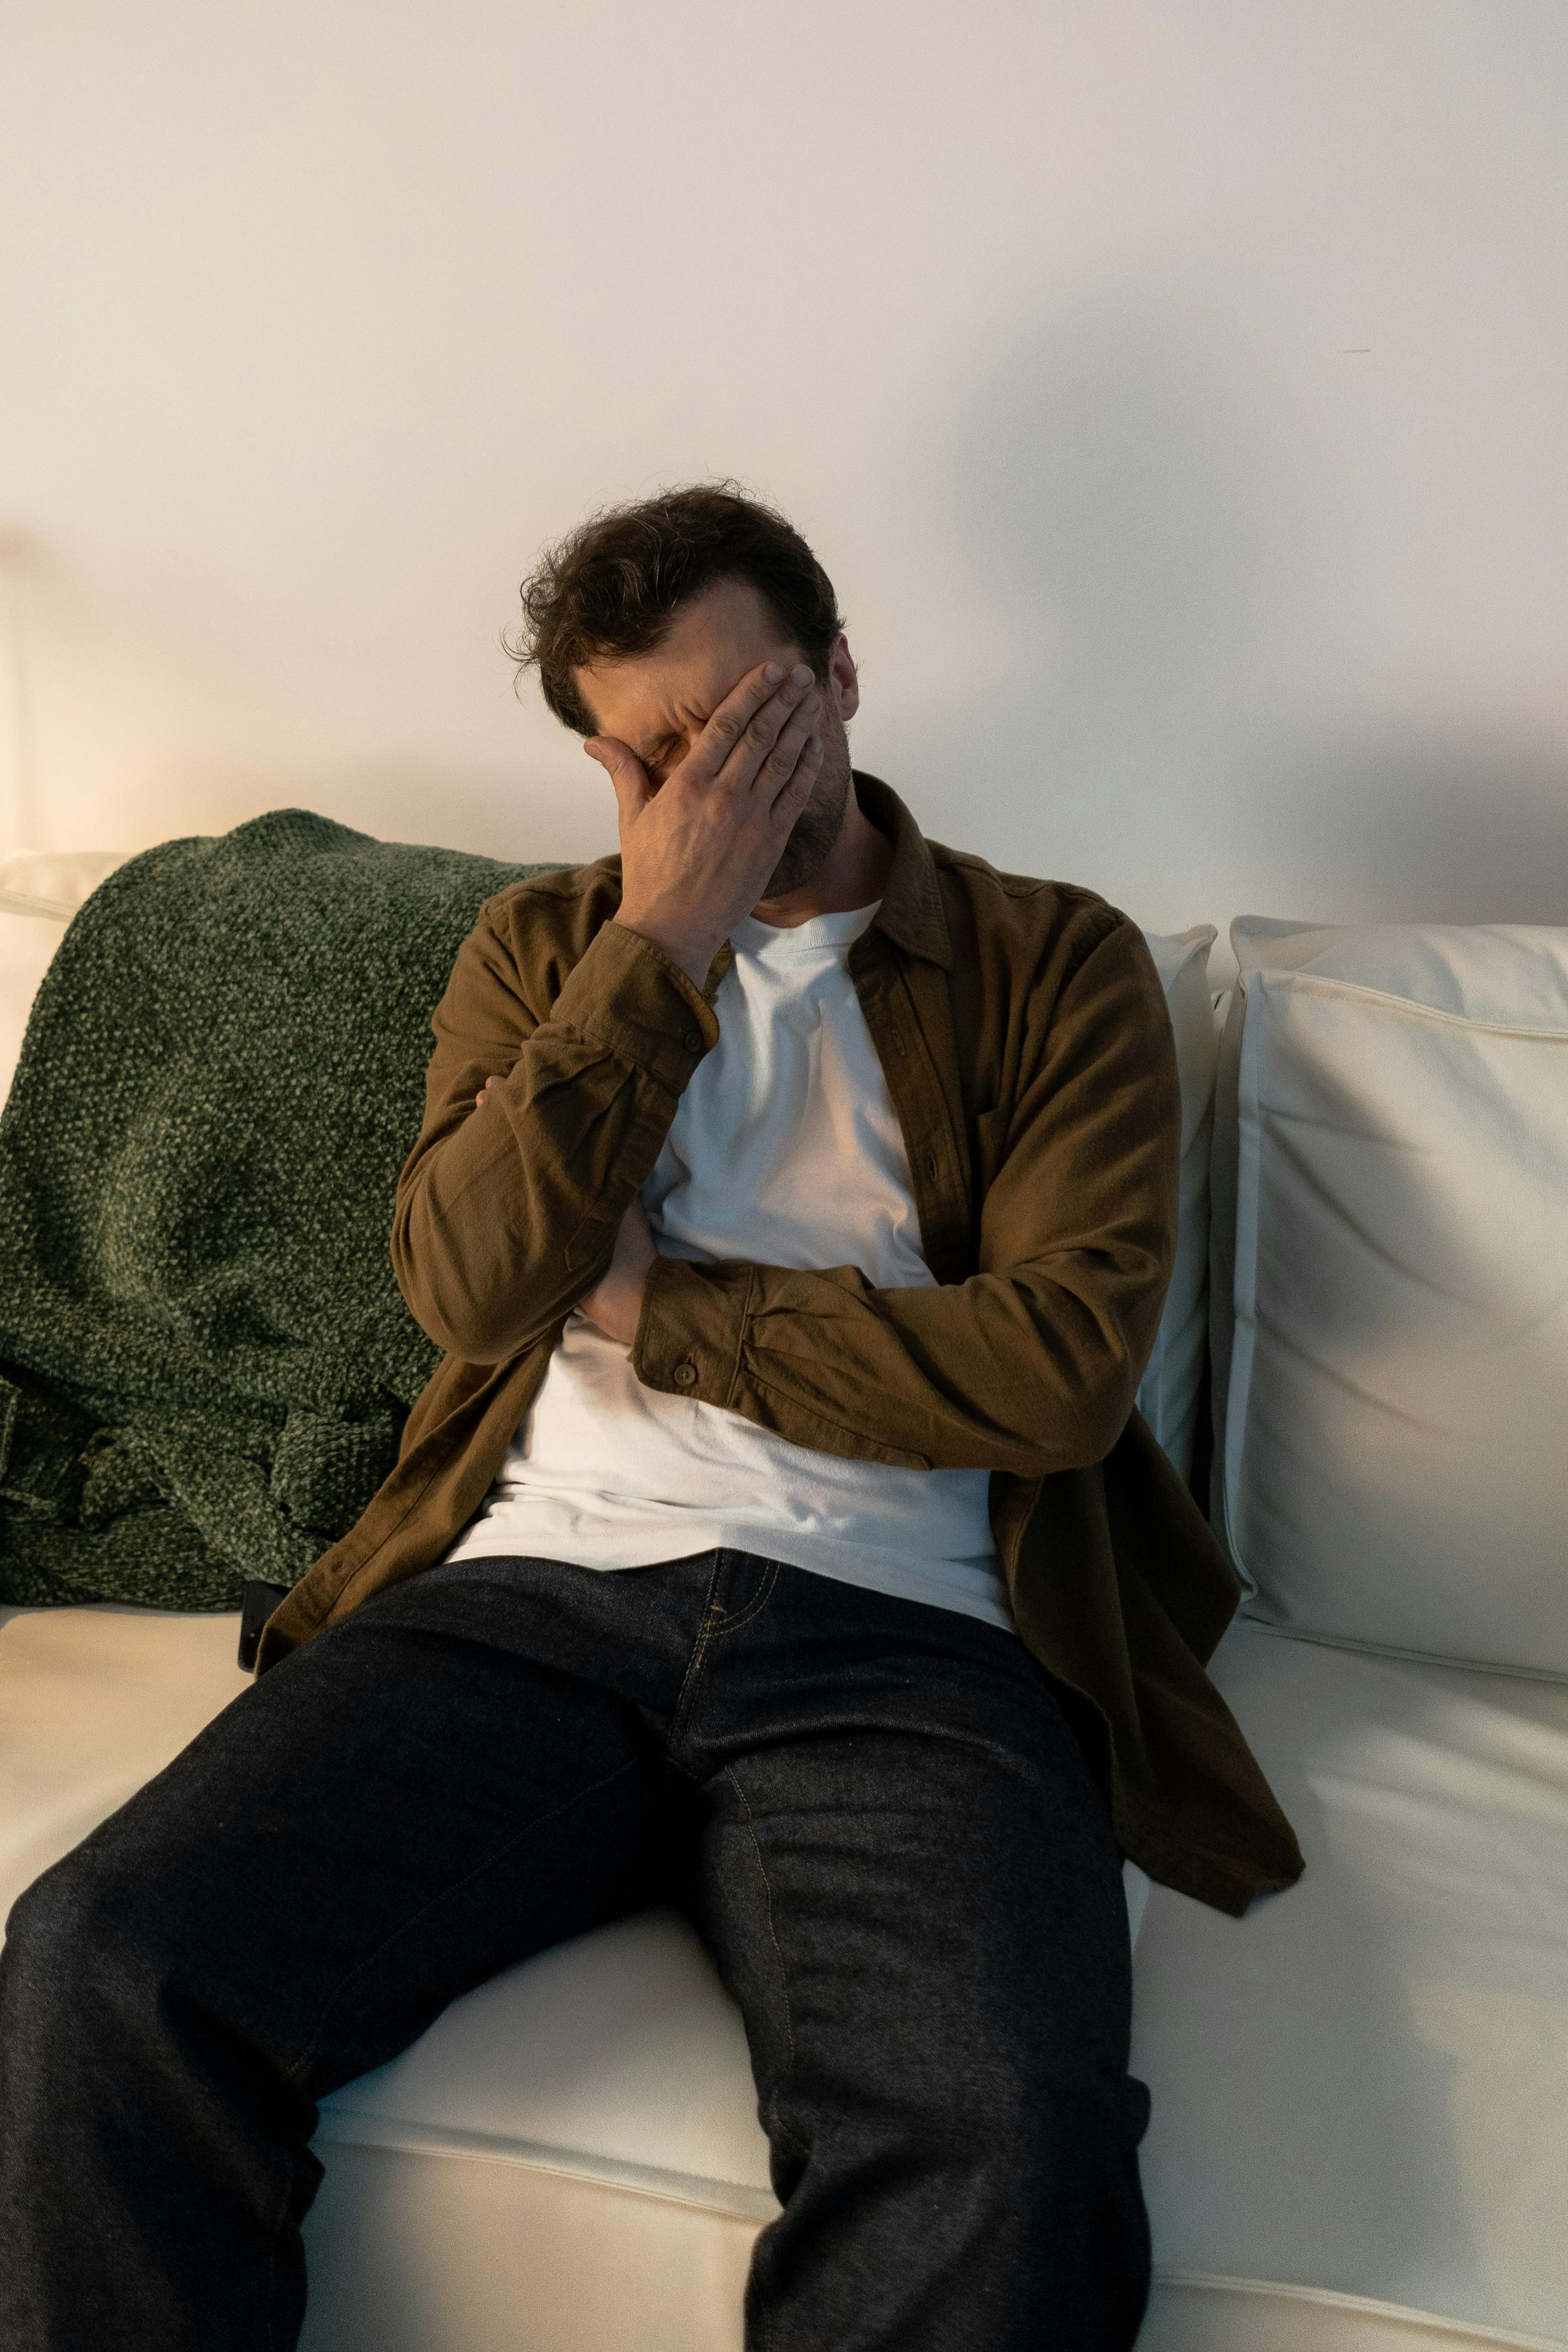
1028,1373
506,1216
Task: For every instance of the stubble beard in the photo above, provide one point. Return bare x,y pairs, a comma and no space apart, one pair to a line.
819,824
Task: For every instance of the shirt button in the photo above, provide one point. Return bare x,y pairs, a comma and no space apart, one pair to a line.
896,1040
686,1376
931,1164
692,1040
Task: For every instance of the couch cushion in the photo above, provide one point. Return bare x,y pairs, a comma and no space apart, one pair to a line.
1391,1285
1190,2312
617,2056
93,1702
1360,2088
1172,1386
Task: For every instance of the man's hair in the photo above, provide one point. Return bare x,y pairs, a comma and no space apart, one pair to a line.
613,586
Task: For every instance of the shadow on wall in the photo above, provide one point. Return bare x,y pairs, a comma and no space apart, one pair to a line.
1187,528
1419,827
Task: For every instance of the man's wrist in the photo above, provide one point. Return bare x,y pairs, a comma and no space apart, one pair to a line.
614,1305
694,958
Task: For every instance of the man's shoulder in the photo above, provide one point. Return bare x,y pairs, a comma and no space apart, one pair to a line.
545,911
560,887
1033,911
527,937
976,874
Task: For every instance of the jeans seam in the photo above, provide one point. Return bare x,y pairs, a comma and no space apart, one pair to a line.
784,2129
732,1625
687,1692
683,1704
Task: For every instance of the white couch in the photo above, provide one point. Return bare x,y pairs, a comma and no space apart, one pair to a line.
1360,2130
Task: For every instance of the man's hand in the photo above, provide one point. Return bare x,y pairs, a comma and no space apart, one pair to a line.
614,1303
696,854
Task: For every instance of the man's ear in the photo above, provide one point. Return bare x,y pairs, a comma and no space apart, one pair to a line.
843,677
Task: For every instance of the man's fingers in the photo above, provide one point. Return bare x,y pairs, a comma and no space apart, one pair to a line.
625,770
619,761
793,792
745,761
743,729
780,763
729,721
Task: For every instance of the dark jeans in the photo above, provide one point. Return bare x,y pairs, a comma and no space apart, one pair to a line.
892,1837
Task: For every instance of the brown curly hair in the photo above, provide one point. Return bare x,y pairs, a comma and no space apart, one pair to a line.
613,585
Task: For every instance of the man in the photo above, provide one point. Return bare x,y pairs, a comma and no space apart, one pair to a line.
795,1201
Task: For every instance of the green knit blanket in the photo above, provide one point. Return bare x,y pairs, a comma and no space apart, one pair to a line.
206,1362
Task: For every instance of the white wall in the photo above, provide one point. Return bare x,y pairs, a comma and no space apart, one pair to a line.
1176,394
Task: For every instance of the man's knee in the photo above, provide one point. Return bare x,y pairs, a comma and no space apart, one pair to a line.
83,1934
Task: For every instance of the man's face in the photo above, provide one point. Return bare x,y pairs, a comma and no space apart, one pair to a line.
657,704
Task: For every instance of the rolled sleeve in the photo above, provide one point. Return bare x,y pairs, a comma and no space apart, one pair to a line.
692,1329
506,1213
626,994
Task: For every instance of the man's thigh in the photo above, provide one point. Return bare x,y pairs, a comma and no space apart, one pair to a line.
919,1906
941,1900
388,1817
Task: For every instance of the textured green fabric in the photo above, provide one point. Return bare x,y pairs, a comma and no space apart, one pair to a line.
206,1362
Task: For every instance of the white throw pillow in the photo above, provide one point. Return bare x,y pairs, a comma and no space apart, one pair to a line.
1172,1387
40,890
53,882
1391,1286
27,943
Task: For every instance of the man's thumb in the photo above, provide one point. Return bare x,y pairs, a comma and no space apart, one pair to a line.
625,771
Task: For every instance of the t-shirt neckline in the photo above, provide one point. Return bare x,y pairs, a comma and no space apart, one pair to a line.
752,937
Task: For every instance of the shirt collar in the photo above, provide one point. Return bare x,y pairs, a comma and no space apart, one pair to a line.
911,912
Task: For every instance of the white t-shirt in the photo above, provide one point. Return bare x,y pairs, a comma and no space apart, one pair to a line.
784,1150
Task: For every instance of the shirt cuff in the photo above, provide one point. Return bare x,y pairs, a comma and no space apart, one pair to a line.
626,993
692,1327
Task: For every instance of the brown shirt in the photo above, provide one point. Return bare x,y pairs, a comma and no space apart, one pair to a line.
1029,1055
